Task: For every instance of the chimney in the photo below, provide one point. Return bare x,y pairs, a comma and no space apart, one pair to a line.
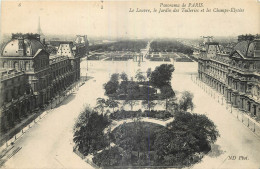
77,39
21,51
38,37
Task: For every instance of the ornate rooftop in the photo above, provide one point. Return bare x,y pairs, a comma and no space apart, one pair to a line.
248,48
31,44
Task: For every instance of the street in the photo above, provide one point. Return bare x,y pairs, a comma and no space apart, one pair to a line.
49,144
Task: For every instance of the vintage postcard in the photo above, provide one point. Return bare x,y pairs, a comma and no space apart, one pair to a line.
130,84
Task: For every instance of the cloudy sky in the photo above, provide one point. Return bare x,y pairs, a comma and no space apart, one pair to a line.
85,17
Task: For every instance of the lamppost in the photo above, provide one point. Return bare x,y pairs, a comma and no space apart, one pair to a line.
231,107
59,97
87,62
51,102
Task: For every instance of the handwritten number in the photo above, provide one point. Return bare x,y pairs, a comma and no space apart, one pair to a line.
102,4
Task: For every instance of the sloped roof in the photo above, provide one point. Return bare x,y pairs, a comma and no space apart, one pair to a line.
246,48
31,46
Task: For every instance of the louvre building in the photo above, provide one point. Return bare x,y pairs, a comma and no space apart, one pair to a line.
236,75
31,77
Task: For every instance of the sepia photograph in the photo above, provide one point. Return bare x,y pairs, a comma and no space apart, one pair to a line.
114,84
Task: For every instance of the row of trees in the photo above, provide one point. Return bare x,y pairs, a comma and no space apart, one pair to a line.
158,78
132,91
105,103
170,46
114,87
129,91
126,45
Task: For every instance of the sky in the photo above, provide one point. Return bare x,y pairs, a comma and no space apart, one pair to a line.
115,20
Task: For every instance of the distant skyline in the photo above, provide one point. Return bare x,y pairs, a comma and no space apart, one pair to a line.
115,20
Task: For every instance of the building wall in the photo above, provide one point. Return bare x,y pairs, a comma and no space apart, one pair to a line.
236,78
35,80
13,88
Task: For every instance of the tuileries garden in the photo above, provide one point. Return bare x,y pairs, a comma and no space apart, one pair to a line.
142,121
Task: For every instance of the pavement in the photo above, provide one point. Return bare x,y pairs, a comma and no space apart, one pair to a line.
115,123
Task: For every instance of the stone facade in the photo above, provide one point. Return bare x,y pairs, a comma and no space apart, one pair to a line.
235,75
13,91
31,77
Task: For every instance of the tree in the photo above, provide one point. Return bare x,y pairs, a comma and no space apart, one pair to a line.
161,145
162,75
124,76
186,102
139,76
132,103
88,132
140,142
111,103
200,127
186,137
148,104
114,77
133,91
123,88
147,92
148,73
148,97
111,87
173,105
166,93
101,104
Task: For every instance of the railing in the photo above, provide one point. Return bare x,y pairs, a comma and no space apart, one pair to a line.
76,151
14,74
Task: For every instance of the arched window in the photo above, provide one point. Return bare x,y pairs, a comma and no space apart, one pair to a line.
16,66
5,65
27,66
251,66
